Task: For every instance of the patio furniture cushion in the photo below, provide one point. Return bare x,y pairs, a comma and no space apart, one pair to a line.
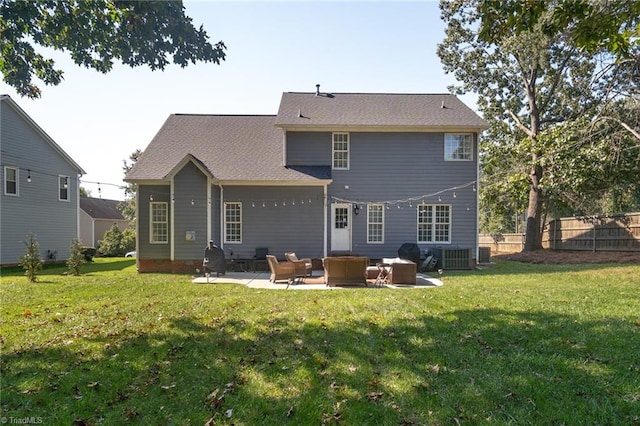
402,271
281,271
345,270
303,266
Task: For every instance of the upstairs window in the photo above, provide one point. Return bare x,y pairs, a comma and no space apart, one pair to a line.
159,222
63,188
375,223
10,180
434,223
458,147
233,222
340,151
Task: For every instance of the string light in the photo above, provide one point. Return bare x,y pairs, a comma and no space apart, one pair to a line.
419,198
29,175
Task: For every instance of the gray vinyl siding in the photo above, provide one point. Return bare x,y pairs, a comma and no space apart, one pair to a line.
394,166
190,212
286,227
37,208
308,148
391,166
146,250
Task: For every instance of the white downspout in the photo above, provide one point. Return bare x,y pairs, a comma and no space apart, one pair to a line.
326,222
172,209
221,216
209,205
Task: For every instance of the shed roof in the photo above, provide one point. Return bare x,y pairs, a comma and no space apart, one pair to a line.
231,147
99,208
379,110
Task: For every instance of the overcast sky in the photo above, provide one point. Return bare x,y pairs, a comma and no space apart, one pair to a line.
272,47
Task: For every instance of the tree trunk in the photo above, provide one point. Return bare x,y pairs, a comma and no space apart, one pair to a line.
533,233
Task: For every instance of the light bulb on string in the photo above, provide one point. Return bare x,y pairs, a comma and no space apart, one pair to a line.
29,175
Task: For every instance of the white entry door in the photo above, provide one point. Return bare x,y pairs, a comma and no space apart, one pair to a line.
341,227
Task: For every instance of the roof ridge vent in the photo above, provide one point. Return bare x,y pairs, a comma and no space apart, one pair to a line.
442,105
317,90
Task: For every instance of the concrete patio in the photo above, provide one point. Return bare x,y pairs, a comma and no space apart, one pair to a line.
260,280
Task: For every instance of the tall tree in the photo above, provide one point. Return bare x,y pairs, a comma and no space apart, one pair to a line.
526,84
95,33
128,206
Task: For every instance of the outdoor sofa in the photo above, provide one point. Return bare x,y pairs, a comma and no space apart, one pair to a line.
345,270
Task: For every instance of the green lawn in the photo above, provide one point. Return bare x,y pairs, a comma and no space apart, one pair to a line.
512,344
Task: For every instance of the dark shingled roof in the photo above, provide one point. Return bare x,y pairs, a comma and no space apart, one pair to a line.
230,147
376,110
250,147
99,208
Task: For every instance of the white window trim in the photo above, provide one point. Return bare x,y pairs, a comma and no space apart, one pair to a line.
17,170
382,209
470,148
68,181
151,222
226,240
433,224
333,151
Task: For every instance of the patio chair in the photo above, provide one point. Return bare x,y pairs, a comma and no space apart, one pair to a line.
260,257
281,271
303,266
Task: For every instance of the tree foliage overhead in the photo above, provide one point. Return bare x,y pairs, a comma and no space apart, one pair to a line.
550,105
96,33
594,25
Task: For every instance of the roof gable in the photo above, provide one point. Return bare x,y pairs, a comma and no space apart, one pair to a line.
230,147
376,110
6,99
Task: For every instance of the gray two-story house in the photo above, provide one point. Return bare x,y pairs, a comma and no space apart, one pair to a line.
329,174
40,190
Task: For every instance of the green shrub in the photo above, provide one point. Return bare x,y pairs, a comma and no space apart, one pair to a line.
31,261
111,243
76,258
89,253
117,243
128,240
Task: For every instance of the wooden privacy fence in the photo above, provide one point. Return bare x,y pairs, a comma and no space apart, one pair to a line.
589,233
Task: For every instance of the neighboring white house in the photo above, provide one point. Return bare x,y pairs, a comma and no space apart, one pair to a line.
40,188
97,216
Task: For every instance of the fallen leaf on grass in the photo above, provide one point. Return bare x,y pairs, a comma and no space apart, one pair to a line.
290,412
229,413
26,313
93,385
172,385
214,400
374,396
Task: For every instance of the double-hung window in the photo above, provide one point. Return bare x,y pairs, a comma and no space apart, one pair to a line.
63,188
375,223
159,222
10,180
458,147
434,223
340,151
233,222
